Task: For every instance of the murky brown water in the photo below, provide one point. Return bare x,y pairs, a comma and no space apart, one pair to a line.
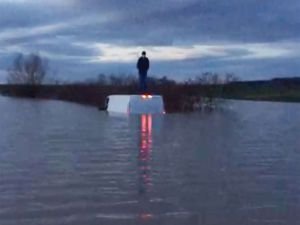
62,163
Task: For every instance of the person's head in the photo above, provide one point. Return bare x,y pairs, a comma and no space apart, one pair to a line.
143,53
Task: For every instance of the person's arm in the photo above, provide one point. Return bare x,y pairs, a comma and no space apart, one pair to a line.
148,64
138,64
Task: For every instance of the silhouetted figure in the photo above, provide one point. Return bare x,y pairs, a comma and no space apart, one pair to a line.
143,66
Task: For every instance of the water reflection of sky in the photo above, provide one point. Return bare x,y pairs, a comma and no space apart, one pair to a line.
84,167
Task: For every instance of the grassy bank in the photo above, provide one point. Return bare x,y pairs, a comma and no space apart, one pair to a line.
174,95
278,89
177,97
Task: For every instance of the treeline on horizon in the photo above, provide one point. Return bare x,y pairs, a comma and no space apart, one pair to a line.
28,78
176,94
94,91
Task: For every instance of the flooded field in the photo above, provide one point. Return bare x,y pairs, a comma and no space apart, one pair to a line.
63,163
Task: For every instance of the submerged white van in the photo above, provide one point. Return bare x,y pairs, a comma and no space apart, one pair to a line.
135,104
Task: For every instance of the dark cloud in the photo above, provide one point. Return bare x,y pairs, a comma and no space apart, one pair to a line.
59,47
66,32
202,20
29,15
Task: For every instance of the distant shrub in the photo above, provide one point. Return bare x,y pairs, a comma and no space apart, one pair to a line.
29,70
26,74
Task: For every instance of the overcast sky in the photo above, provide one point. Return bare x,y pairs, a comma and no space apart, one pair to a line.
255,39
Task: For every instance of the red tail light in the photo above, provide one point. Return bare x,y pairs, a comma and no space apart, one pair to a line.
146,96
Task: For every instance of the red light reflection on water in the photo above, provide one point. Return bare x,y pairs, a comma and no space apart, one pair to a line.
145,149
146,134
144,158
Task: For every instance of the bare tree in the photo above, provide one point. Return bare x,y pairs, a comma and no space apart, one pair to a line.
102,79
30,70
230,77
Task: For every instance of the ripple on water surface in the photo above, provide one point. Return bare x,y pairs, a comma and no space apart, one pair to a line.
63,163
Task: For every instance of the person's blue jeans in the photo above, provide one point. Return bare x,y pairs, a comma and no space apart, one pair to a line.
143,80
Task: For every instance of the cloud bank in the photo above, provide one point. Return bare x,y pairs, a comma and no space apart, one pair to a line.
254,39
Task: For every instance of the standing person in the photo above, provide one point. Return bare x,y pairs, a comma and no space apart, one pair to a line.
143,66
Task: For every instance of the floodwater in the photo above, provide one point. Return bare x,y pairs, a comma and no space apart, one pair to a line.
63,163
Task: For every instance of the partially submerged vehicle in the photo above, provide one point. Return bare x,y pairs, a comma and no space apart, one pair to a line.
135,104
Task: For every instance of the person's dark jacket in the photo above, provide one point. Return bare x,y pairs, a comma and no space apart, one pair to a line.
143,64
